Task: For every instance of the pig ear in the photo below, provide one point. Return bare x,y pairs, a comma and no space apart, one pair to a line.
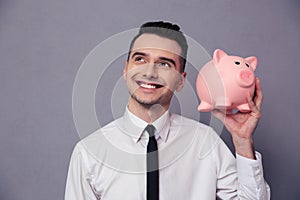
252,61
218,54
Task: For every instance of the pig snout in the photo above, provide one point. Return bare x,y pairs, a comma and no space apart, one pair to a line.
245,78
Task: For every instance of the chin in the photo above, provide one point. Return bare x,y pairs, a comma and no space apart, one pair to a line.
147,102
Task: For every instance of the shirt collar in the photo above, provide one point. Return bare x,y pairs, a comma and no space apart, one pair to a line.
136,126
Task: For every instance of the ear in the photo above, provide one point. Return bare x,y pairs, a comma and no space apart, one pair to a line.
252,60
181,82
125,70
218,55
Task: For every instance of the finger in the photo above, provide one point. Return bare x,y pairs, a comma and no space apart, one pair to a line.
255,112
251,103
258,91
218,114
256,115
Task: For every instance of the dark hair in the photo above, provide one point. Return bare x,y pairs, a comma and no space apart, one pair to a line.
166,30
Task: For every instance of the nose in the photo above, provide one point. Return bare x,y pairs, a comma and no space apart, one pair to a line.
245,78
150,71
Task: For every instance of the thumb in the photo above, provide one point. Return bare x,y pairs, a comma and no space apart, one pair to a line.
218,114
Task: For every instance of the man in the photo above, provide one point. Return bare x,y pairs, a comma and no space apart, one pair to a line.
150,153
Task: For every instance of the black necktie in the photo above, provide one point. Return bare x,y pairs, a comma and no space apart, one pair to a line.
152,165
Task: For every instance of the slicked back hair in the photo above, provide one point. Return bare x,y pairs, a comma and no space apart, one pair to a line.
166,30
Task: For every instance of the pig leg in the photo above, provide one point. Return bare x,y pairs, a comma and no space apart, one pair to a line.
243,107
205,107
223,103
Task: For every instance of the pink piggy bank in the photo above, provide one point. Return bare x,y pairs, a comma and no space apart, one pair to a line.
223,83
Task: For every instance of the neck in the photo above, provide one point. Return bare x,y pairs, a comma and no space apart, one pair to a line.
148,113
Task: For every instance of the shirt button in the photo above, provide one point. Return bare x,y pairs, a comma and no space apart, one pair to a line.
257,178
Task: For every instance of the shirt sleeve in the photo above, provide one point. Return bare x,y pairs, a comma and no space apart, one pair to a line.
251,182
78,185
239,178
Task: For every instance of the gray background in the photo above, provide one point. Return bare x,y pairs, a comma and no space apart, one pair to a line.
42,44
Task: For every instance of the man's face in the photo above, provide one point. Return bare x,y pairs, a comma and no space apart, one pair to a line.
152,72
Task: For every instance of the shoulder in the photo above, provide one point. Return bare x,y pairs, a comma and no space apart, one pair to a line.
99,133
205,137
92,146
182,121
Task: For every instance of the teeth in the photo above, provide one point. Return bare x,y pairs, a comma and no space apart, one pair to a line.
147,86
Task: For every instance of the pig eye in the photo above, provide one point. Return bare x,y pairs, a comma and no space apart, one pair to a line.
247,65
237,63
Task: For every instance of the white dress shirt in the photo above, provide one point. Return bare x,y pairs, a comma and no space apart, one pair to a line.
194,163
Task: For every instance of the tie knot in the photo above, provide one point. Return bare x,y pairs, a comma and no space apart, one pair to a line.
150,129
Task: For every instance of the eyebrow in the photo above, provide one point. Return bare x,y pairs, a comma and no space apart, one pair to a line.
161,58
168,59
139,54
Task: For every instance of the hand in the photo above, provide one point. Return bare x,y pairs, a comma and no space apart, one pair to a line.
242,125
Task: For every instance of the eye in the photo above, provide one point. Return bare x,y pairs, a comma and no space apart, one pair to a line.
237,63
163,64
139,59
247,65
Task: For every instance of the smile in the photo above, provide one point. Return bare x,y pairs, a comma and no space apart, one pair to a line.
148,85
